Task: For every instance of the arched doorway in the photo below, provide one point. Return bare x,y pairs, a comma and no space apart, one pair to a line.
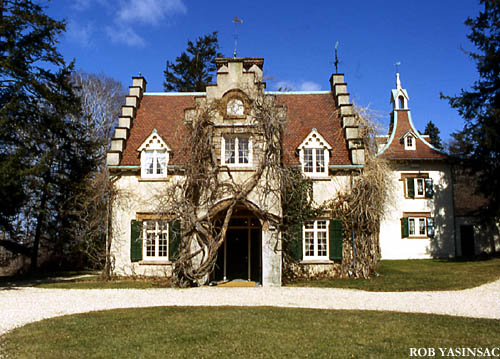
240,257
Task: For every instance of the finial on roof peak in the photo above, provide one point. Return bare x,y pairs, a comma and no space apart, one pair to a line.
398,81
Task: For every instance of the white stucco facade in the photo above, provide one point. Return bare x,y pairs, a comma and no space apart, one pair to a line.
439,208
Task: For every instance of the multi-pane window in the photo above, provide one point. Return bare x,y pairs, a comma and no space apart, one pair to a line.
155,234
316,239
236,150
314,160
419,187
409,143
154,163
417,226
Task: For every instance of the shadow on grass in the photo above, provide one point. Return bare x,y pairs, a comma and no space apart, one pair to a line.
21,281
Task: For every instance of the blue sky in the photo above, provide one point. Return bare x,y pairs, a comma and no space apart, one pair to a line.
122,38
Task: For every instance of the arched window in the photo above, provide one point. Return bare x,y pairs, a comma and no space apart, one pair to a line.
401,102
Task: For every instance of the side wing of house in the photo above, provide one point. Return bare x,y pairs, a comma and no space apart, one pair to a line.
420,223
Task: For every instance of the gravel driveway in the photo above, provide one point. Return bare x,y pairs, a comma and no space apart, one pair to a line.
23,305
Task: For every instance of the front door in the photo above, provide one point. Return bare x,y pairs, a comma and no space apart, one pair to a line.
240,257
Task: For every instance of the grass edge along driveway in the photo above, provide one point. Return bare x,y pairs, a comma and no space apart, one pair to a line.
257,332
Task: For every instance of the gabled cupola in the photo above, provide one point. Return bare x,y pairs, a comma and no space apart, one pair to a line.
404,142
399,96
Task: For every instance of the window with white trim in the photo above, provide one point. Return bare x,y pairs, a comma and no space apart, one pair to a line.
236,150
417,226
419,187
314,160
155,244
314,155
315,235
410,142
154,163
154,156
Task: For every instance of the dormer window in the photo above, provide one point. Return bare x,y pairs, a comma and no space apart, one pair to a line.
314,155
314,160
154,156
409,142
154,163
235,107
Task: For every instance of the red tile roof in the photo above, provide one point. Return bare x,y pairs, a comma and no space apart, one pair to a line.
166,114
304,112
308,111
396,150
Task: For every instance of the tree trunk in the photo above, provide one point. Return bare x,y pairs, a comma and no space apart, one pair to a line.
38,232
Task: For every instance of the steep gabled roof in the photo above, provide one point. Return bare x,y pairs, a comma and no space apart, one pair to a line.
305,111
308,111
166,115
402,127
394,149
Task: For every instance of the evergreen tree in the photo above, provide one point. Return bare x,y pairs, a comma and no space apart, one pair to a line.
458,145
194,68
44,153
480,106
433,132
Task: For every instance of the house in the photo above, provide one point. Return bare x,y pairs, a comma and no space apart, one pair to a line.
321,138
420,223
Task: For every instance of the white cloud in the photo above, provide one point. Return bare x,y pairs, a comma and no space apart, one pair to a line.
124,35
80,5
309,86
78,33
149,11
294,86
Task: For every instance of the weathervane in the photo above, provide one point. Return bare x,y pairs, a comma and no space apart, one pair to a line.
336,63
236,21
397,64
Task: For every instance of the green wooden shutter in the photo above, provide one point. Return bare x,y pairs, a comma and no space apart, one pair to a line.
295,243
410,185
429,188
430,227
135,241
404,227
335,239
174,238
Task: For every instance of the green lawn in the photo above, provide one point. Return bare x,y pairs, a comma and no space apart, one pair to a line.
421,274
45,277
394,275
224,332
